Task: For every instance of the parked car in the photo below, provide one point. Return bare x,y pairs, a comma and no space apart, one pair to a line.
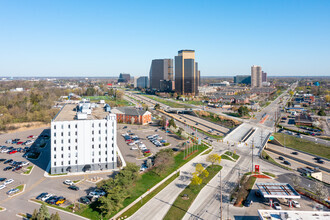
8,181
277,206
2,159
52,200
6,150
143,167
12,191
134,147
46,197
2,179
2,186
19,142
41,196
9,141
73,187
248,203
287,162
12,152
60,200
96,194
25,163
7,168
85,200
295,204
68,182
146,151
124,127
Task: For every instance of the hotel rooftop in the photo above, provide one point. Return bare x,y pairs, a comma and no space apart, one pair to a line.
82,111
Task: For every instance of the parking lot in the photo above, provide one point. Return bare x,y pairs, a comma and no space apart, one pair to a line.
133,156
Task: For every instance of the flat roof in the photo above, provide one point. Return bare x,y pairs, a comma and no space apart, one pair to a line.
68,113
294,214
278,190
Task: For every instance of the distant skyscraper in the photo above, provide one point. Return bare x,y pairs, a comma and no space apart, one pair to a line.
256,76
142,82
124,77
187,77
264,76
161,69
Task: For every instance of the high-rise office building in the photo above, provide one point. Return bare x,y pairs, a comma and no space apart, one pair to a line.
124,77
187,76
264,76
256,76
161,69
142,82
242,79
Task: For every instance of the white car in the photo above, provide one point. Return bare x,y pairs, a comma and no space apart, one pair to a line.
96,194
295,204
12,191
134,147
25,163
4,150
131,144
8,181
2,186
124,135
68,182
277,206
46,197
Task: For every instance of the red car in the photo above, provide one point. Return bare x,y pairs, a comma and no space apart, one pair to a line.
31,136
12,152
129,140
146,151
20,142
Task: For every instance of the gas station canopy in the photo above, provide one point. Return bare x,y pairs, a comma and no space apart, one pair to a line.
277,190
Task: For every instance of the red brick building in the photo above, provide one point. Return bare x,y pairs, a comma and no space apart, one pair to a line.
131,115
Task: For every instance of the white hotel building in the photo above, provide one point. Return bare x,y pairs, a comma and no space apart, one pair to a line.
83,138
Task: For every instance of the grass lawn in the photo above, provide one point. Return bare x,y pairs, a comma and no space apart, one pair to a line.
245,189
223,121
303,145
138,205
166,102
225,157
269,174
193,102
28,170
235,156
76,181
20,187
181,206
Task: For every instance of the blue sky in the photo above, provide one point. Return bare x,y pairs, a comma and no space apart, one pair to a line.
104,38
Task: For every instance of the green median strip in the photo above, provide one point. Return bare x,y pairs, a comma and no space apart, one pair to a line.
28,170
145,199
233,155
269,174
225,157
182,203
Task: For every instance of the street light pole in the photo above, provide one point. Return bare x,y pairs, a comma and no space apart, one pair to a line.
220,197
252,153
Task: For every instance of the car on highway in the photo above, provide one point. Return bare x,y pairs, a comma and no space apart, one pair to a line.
12,191
281,158
320,161
277,206
8,181
317,158
295,204
295,153
287,162
68,182
73,187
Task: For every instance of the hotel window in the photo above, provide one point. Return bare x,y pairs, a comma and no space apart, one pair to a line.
62,126
62,156
112,145
76,125
106,131
99,145
106,159
69,162
61,148
106,152
54,163
54,134
69,148
76,147
92,146
106,145
76,161
92,160
92,153
62,168
92,125
99,159
54,141
93,132
99,152
54,126
99,124
112,152
62,141
76,154
106,138
76,140
69,155
62,134
112,159
99,131
69,133
76,133
62,164
99,138
92,139
112,138
54,148
54,156
106,124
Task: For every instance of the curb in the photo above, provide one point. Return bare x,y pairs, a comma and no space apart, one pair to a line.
18,192
28,173
3,209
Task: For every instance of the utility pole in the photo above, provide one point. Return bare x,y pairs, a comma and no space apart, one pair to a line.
220,197
252,153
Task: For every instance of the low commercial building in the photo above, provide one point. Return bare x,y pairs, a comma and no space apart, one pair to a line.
132,115
83,138
271,214
303,119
